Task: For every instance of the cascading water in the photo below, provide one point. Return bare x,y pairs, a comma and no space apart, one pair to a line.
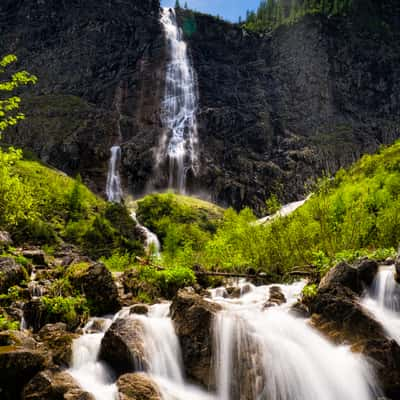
113,186
93,375
151,243
261,354
270,354
383,301
178,146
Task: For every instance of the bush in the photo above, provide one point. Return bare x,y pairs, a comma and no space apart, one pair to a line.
7,324
119,261
71,310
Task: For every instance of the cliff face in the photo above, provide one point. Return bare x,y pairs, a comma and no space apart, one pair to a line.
100,65
275,110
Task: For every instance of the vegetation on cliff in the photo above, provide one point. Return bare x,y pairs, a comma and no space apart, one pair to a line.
273,13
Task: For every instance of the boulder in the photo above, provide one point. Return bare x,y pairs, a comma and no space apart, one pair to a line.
397,267
367,271
122,346
276,297
95,281
37,256
57,341
37,315
54,385
18,366
138,386
142,309
339,316
193,319
342,274
17,339
11,273
5,239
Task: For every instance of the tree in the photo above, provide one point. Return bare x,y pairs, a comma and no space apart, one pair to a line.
9,105
177,4
186,5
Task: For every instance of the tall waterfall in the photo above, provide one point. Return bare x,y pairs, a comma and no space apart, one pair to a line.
383,301
178,145
113,186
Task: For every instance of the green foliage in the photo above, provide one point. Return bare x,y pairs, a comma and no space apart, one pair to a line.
353,215
150,283
7,324
71,310
273,204
273,13
9,82
13,294
42,206
309,292
119,262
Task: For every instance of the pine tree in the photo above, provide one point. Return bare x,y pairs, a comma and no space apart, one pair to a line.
177,4
186,5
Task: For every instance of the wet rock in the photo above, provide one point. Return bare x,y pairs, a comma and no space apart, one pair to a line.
139,309
337,312
276,297
95,281
367,271
98,325
339,316
37,256
300,310
57,341
193,319
397,268
37,315
17,366
122,346
232,292
11,273
5,239
137,386
342,274
54,385
17,339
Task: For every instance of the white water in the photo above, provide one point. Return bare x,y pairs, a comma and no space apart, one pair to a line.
151,243
261,354
287,209
92,375
280,356
383,301
178,146
113,186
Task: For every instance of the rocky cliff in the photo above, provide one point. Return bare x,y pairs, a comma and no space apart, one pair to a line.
275,110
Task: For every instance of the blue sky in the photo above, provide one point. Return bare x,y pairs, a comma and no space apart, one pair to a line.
228,9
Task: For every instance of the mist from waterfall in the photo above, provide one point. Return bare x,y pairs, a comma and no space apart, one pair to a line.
113,186
178,145
383,301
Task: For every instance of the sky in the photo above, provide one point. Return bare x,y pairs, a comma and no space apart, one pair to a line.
227,9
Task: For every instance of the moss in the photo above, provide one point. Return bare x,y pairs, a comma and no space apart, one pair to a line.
77,270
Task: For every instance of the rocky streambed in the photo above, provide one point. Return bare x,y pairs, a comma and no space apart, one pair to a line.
240,341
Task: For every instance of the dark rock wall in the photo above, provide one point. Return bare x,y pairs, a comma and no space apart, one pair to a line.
275,109
92,58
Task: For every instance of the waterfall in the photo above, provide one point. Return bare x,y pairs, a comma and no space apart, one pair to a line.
151,242
260,354
113,186
270,354
178,145
383,301
92,375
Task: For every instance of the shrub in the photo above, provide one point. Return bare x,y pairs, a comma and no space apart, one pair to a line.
71,310
7,324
